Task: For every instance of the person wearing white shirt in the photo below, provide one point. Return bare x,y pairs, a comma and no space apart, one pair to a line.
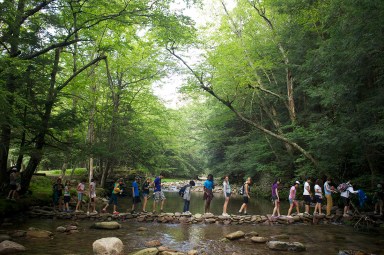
318,197
307,194
345,197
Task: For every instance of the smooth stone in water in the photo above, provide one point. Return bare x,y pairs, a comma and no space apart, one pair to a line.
37,233
9,247
61,229
235,235
108,246
285,246
259,239
106,225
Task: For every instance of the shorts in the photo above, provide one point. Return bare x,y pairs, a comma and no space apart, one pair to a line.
136,200
158,195
79,196
67,199
93,195
346,201
113,199
274,198
228,194
318,199
13,186
146,195
245,200
307,199
293,201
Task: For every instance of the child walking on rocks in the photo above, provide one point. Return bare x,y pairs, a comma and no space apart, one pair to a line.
80,192
292,199
67,195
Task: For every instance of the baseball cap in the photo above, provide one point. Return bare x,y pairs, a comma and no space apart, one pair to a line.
297,182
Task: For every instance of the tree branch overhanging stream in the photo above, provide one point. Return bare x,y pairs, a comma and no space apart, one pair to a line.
228,103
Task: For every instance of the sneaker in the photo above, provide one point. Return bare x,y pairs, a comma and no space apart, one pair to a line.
245,213
225,214
345,215
116,213
77,211
289,216
88,213
144,211
95,212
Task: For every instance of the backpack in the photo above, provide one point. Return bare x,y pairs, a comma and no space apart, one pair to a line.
342,187
182,191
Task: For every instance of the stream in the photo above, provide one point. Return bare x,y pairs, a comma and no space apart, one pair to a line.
318,239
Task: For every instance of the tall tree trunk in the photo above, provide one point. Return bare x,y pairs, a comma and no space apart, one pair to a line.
11,85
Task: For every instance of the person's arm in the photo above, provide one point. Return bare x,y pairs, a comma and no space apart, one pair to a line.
277,193
350,189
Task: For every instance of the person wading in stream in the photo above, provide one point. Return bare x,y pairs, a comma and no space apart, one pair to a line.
208,193
246,196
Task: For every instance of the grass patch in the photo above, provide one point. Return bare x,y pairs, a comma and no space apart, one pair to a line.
56,172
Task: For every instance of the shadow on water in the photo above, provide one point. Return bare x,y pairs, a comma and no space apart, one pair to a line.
319,239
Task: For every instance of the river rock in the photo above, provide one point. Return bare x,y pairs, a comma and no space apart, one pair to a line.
251,234
197,215
9,247
38,233
285,246
142,229
61,229
192,252
108,246
259,239
153,243
106,225
235,235
172,253
148,251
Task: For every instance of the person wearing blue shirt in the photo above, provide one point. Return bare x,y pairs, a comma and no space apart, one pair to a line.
208,193
158,194
135,194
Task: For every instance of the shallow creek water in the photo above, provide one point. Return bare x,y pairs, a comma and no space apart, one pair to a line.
319,239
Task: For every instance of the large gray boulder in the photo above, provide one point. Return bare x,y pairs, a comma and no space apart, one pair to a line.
235,235
9,247
108,246
107,225
285,246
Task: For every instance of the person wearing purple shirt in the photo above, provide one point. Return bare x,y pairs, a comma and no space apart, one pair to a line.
276,198
158,194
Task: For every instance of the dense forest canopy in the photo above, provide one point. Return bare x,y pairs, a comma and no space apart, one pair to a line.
283,88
